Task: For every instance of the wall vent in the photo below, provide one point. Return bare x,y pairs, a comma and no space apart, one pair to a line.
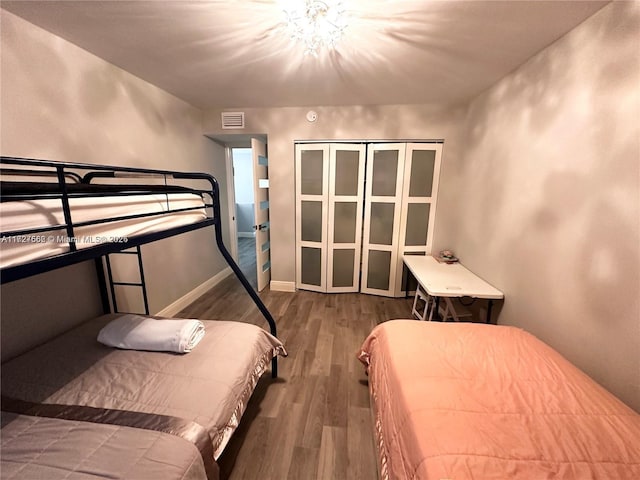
232,119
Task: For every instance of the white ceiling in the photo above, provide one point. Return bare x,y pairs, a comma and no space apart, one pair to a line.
216,53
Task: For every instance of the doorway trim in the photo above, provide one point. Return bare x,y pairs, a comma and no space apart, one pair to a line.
231,199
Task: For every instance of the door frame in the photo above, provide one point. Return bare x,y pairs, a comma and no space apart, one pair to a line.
231,198
230,142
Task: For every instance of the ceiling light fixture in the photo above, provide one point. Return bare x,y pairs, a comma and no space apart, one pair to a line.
316,23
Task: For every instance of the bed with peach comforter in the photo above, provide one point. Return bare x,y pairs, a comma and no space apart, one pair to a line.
464,401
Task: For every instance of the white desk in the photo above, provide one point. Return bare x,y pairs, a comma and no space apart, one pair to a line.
449,280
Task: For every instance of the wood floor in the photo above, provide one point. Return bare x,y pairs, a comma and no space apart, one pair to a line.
314,421
247,259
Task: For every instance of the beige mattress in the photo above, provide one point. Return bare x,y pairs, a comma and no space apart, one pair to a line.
22,215
210,385
456,400
54,449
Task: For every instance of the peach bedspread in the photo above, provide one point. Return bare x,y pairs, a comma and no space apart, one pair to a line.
458,401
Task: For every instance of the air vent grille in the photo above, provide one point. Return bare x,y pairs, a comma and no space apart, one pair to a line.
232,119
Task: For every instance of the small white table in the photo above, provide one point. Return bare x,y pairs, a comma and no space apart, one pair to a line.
443,280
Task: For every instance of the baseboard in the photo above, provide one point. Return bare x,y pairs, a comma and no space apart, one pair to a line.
194,294
247,234
277,286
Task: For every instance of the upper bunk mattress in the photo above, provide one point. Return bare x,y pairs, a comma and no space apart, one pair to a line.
456,400
52,449
168,209
210,385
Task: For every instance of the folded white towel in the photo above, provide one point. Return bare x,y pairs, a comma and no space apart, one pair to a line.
133,332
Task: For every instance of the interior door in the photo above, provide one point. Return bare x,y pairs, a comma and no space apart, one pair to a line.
261,212
344,239
312,187
419,196
383,203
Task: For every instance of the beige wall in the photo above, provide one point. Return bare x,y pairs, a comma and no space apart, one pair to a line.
549,190
59,102
286,125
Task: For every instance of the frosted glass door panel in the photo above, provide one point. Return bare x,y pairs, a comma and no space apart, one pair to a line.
385,172
347,172
382,216
417,224
311,266
311,213
311,172
379,270
422,167
345,219
343,266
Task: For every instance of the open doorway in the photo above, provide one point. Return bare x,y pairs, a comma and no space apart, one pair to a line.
248,199
242,162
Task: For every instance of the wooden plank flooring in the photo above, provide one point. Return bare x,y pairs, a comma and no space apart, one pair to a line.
247,259
314,421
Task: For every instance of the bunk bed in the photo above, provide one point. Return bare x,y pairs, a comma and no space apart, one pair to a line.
175,408
466,400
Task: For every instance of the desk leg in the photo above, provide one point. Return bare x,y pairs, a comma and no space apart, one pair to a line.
437,309
405,276
489,307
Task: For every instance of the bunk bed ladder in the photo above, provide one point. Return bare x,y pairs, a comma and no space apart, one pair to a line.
142,284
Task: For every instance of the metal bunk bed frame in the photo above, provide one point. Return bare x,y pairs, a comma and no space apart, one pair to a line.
65,171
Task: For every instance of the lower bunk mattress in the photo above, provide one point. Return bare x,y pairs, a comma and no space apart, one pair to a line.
51,448
455,400
209,386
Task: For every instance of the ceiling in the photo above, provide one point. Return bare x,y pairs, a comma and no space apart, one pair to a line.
226,54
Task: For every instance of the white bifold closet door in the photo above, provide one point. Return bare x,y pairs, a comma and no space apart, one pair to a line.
329,202
399,212
385,174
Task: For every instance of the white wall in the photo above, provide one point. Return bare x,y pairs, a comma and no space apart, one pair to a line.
60,102
286,125
549,196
